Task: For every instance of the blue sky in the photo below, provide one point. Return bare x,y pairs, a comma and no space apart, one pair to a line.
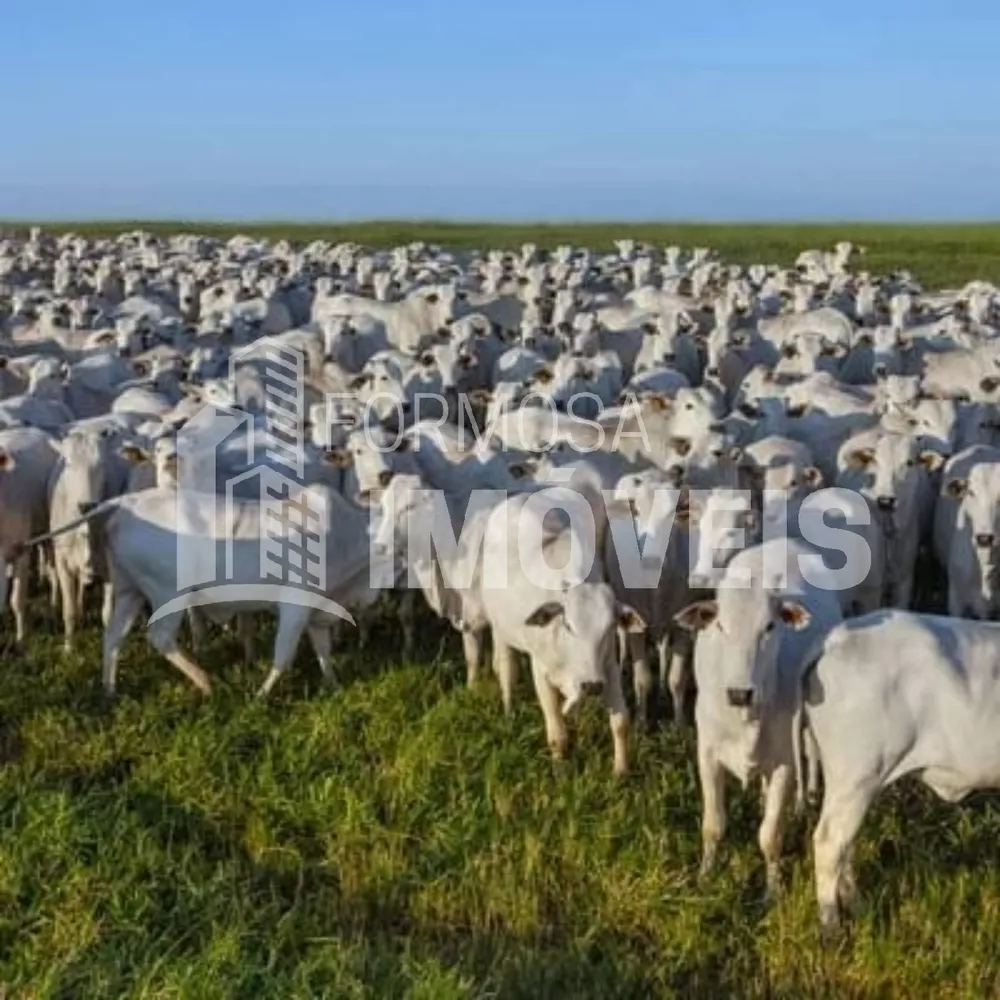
522,109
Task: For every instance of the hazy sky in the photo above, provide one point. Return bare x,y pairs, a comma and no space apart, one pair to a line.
520,109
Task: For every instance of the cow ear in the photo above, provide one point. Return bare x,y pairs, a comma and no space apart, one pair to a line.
359,381
543,376
697,616
862,458
544,615
133,453
658,403
931,460
794,614
630,620
7,462
957,488
811,476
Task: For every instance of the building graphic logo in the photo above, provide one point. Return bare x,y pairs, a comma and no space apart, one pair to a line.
248,529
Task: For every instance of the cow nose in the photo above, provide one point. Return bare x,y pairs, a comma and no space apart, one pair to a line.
985,541
887,504
712,372
739,697
385,477
880,371
592,687
669,357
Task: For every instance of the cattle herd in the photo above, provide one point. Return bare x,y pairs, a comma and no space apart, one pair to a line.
704,417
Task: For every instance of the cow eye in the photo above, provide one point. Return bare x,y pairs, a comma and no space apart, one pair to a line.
769,627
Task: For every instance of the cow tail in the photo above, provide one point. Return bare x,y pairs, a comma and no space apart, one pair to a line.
98,510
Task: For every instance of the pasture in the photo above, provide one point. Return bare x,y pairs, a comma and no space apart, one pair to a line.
399,836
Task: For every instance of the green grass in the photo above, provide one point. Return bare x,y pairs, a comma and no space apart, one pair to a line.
399,837
940,255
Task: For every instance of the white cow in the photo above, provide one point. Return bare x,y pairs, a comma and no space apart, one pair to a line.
889,695
773,604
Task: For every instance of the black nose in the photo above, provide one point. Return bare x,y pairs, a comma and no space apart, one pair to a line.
669,357
886,503
592,687
985,541
712,372
880,371
739,697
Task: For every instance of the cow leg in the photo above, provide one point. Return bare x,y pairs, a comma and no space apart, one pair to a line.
505,668
713,816
196,622
779,787
162,636
321,641
839,822
292,622
614,699
67,592
244,630
80,594
19,595
408,618
812,766
472,647
127,605
677,680
108,602
555,728
642,676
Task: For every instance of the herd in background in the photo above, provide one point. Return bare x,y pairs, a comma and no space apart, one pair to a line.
631,372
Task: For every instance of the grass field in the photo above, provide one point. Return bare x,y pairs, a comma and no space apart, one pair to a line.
940,255
399,837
